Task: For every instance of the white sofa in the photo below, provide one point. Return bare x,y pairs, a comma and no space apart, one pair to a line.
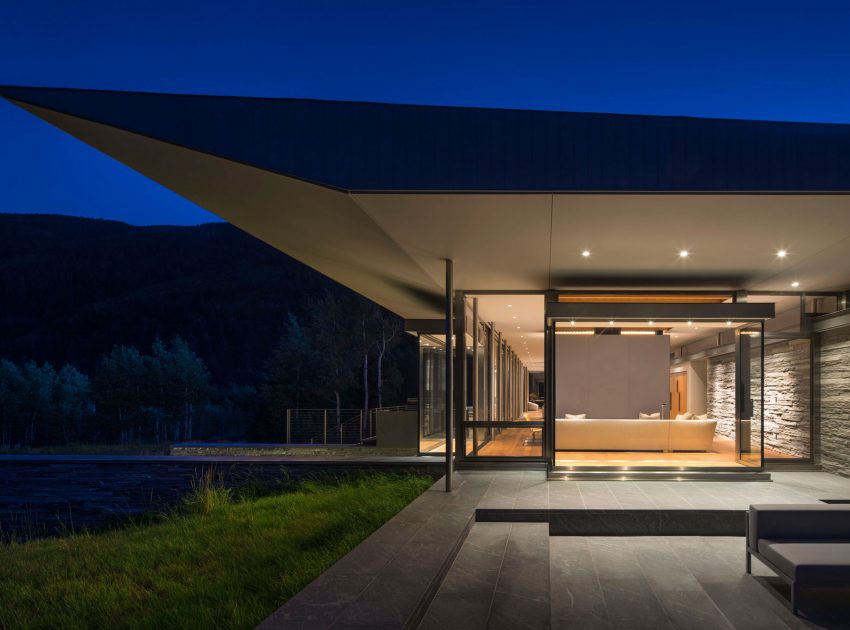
625,434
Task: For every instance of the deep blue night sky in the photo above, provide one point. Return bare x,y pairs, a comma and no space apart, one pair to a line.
774,60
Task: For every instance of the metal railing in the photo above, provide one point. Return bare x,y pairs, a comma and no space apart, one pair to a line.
332,426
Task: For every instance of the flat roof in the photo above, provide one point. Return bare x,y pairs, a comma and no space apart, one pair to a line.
378,196
358,146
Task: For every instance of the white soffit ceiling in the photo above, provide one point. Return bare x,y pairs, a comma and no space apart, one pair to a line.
502,241
497,242
732,240
321,227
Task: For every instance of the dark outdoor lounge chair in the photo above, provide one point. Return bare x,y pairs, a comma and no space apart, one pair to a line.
806,545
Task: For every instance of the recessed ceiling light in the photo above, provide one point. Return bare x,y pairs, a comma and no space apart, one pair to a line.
795,284
510,305
611,322
650,322
518,327
573,322
781,253
514,316
585,253
684,253
690,323
728,322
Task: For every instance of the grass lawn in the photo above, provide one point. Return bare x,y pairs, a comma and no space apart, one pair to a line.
227,565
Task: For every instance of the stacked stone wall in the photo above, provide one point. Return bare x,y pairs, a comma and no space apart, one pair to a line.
833,364
787,396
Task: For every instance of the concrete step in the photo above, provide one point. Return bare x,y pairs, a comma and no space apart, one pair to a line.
792,467
656,475
620,522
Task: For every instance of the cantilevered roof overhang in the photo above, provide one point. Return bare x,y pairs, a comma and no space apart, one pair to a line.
377,195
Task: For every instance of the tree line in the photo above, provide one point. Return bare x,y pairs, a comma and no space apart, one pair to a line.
347,352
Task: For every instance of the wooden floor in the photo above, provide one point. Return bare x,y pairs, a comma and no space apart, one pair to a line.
722,454
521,442
516,442
512,443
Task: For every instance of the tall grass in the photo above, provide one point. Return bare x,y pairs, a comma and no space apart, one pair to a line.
207,493
224,564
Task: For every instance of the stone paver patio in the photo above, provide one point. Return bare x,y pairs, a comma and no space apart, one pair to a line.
434,566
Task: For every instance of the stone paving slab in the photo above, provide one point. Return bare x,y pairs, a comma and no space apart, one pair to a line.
432,564
529,490
390,578
498,580
662,582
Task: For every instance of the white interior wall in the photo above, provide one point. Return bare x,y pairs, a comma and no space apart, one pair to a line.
611,376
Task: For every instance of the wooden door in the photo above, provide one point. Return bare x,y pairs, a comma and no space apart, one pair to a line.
678,394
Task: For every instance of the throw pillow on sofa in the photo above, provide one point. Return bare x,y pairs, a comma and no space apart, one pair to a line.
685,416
576,416
703,416
650,416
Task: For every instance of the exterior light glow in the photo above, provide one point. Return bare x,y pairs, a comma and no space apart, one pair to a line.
781,253
651,322
572,322
728,322
690,323
684,253
795,284
585,253
611,322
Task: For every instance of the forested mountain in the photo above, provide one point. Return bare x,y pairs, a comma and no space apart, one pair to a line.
71,288
97,295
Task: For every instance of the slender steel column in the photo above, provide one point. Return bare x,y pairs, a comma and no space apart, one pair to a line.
476,411
743,393
549,392
491,371
460,375
449,372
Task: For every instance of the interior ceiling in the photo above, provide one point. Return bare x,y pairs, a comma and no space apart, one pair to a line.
391,247
520,319
680,333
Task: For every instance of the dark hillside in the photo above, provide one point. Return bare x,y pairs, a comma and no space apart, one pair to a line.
71,288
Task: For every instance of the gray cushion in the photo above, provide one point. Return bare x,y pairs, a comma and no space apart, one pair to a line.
810,561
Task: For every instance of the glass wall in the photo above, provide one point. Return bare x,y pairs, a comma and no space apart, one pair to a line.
499,422
432,394
658,394
479,386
